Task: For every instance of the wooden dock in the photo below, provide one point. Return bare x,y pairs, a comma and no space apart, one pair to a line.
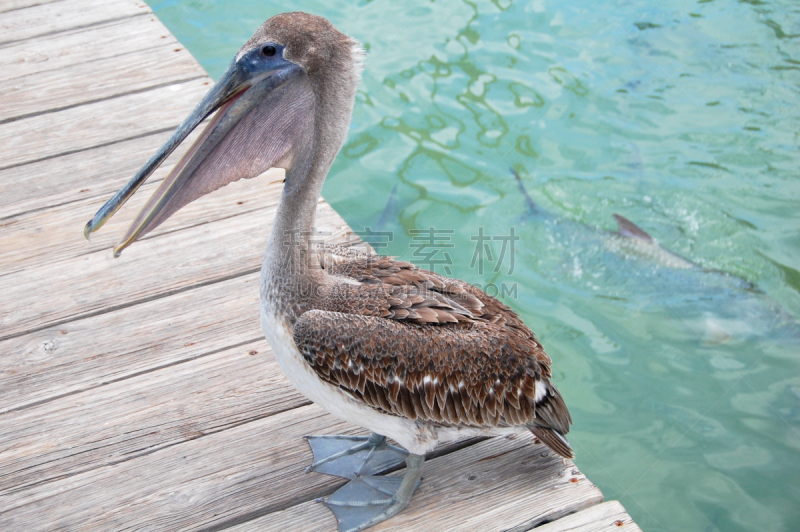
139,392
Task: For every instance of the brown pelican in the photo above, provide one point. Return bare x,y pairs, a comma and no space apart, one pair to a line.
401,351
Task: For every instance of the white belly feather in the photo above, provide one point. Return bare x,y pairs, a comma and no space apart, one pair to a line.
335,400
416,437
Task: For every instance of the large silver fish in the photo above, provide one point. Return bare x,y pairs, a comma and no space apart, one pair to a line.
629,263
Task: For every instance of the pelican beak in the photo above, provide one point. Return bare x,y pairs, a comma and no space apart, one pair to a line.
252,90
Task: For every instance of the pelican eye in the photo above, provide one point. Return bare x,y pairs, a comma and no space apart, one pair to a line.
269,50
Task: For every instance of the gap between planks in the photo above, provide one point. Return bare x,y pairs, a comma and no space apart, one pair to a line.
224,478
137,65
34,239
605,517
97,350
11,5
31,190
74,47
86,349
143,413
43,19
95,283
118,118
498,484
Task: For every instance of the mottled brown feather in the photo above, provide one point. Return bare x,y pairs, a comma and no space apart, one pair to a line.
412,343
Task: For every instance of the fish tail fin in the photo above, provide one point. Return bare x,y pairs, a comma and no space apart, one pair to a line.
630,229
532,207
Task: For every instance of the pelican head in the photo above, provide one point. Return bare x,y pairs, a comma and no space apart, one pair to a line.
284,102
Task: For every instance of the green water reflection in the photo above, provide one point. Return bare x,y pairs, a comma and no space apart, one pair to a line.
681,116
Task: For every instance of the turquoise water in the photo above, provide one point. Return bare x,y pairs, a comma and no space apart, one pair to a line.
683,117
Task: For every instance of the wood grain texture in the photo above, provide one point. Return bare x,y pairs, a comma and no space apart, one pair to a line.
257,468
499,484
606,517
79,128
96,80
96,282
97,174
61,50
141,415
204,482
117,345
158,329
9,5
37,237
43,19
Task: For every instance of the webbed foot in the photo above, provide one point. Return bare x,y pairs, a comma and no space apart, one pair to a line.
353,456
369,500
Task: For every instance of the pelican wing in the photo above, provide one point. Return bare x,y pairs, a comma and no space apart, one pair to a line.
398,290
411,343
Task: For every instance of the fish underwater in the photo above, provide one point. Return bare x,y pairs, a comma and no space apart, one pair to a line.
714,306
709,306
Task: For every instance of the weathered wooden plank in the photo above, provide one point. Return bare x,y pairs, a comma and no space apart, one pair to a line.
606,517
203,482
96,80
258,468
91,352
79,128
499,484
44,19
8,5
140,415
95,173
85,352
34,238
96,282
54,52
